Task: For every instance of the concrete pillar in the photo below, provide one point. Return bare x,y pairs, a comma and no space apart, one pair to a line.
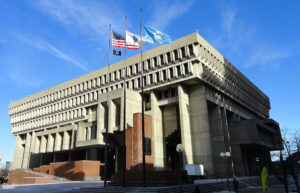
58,140
201,131
89,132
185,125
66,141
217,138
72,139
158,140
111,116
33,139
194,123
43,144
18,155
50,144
37,143
101,117
27,151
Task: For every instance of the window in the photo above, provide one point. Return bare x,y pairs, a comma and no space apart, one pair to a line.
191,49
151,78
164,74
171,72
178,70
169,56
176,54
155,61
161,59
183,52
157,76
186,68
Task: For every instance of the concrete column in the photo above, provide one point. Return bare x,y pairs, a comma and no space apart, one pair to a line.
89,133
66,141
100,117
32,146
217,138
27,151
201,131
18,155
72,139
185,125
58,140
43,144
158,140
50,144
194,123
37,143
111,116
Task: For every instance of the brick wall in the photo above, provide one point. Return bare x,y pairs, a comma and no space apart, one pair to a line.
77,170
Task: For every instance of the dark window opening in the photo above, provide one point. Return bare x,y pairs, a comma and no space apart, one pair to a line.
162,59
186,68
169,56
155,61
183,52
164,74
166,94
157,76
151,78
191,49
178,70
171,73
159,95
148,63
176,54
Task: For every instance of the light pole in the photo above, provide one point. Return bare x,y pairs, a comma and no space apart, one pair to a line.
257,165
225,156
179,149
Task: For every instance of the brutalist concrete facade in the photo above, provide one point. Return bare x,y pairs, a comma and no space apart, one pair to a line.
193,94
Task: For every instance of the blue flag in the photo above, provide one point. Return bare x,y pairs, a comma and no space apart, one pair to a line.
156,36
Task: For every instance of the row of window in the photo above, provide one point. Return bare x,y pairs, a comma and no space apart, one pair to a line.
50,120
230,73
117,75
92,96
241,95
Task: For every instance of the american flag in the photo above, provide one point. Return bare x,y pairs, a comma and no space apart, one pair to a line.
118,40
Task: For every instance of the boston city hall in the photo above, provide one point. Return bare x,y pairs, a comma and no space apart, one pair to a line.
193,96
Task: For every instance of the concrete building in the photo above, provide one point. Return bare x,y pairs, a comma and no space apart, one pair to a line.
194,96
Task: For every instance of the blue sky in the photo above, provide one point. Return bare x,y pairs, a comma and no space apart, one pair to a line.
44,43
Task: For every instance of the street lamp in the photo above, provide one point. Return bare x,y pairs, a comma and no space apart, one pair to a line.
225,156
179,149
257,159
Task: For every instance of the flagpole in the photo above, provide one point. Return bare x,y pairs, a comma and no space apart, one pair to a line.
107,110
124,111
143,111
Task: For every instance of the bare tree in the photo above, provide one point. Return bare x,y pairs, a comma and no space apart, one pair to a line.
287,160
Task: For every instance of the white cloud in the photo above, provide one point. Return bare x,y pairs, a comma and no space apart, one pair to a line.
17,76
266,56
227,19
91,17
240,38
50,49
164,12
